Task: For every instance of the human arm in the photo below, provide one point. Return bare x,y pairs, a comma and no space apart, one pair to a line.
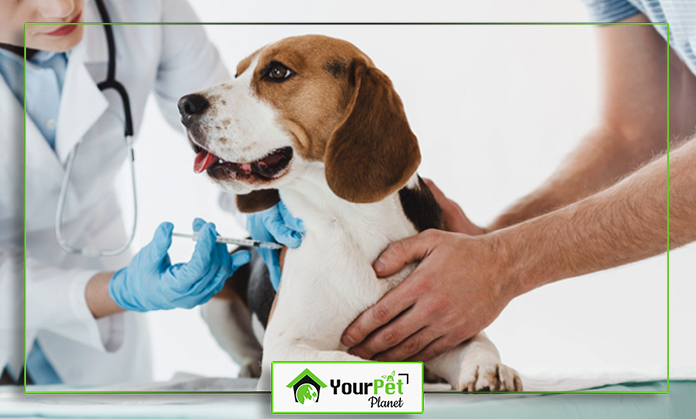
632,126
630,132
449,298
624,223
635,110
97,296
151,282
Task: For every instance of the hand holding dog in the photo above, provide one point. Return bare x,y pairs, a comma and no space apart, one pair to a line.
445,301
275,224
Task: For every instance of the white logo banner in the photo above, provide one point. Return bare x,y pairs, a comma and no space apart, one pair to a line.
347,387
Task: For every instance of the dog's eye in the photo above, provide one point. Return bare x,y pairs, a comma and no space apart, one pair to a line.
278,72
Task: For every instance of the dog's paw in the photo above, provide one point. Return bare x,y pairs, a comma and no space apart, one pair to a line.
489,377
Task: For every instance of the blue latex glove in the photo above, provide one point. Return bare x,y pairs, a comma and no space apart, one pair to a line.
277,225
151,282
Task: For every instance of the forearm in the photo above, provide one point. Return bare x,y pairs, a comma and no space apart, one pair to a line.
602,159
633,119
622,224
97,295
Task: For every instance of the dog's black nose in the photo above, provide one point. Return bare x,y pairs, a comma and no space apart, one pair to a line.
191,105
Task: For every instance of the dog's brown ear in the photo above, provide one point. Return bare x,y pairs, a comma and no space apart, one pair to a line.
373,152
259,200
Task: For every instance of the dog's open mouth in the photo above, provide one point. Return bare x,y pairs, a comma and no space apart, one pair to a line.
266,168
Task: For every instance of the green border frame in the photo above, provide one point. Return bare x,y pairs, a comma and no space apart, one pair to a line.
328,24
351,362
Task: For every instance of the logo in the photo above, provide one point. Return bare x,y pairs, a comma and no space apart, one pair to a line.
346,387
306,387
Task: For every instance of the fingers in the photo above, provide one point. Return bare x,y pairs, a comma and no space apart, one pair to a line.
454,217
392,260
257,229
220,248
202,258
240,259
403,252
437,193
390,306
219,270
215,284
393,334
272,260
162,240
448,206
197,224
292,222
236,260
410,346
274,222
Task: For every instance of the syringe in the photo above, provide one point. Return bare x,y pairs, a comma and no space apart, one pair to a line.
230,240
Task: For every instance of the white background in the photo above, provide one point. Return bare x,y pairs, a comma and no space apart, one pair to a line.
496,109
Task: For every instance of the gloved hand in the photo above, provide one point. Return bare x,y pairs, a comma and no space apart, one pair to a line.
277,225
151,282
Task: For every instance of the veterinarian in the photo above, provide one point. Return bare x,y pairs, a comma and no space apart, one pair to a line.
82,320
604,207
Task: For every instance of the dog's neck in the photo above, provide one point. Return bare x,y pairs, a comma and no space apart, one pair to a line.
367,228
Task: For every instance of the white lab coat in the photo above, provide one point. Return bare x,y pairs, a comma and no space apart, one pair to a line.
170,60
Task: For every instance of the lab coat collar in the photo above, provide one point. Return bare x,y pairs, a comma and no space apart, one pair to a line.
82,103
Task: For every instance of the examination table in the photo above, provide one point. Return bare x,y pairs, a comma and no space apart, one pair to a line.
679,403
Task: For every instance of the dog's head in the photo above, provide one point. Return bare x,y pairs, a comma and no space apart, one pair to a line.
302,100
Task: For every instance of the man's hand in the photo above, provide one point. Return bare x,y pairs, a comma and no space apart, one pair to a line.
455,292
462,282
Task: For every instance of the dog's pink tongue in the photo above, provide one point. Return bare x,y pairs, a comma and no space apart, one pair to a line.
204,160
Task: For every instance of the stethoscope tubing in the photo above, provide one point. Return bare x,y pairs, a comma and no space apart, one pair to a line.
109,83
88,250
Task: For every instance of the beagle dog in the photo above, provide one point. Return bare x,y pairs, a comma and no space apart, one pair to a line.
310,120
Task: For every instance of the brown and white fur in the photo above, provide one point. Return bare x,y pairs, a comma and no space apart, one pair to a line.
311,120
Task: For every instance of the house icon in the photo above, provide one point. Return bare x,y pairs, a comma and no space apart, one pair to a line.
306,387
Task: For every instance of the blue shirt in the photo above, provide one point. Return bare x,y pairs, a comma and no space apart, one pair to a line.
680,14
45,77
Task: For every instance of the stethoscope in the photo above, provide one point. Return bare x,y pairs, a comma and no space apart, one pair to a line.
109,83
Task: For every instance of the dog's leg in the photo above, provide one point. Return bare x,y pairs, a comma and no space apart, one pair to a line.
475,366
230,324
298,352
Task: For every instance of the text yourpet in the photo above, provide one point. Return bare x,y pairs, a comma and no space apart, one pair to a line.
376,387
